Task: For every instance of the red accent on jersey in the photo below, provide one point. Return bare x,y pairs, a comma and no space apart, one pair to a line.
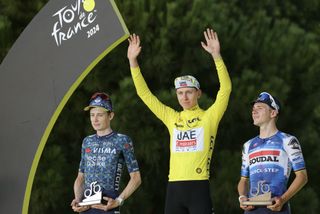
186,143
265,152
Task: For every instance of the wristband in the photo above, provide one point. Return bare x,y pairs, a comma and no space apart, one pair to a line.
241,196
120,200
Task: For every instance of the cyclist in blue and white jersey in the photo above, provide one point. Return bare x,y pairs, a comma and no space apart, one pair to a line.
268,159
103,157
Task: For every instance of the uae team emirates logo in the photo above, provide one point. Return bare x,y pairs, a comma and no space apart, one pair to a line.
188,140
74,18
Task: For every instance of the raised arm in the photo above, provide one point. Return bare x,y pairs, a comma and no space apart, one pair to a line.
134,50
162,111
212,44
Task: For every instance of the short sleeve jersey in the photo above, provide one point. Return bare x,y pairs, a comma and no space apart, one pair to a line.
103,159
193,131
269,161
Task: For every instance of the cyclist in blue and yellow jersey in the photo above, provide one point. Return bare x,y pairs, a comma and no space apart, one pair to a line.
192,131
267,161
103,156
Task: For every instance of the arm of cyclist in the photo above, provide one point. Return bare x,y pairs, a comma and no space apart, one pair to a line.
212,46
158,108
134,50
78,191
133,184
301,178
243,187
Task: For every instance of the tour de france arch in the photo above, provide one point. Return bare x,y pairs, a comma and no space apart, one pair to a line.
46,64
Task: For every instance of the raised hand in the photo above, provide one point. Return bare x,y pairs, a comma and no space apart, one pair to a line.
212,44
134,49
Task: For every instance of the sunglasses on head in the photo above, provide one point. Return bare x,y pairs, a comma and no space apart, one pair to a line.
267,97
103,96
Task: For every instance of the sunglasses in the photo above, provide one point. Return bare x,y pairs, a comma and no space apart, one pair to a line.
102,95
264,96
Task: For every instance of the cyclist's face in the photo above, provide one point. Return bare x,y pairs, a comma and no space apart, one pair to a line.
188,97
261,114
100,119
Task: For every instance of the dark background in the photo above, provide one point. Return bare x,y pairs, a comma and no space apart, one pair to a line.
267,46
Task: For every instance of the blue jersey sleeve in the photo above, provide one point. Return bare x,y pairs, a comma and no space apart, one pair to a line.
293,148
82,161
245,161
128,154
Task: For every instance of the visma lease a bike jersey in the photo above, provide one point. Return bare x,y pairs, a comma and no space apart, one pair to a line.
268,162
103,158
192,132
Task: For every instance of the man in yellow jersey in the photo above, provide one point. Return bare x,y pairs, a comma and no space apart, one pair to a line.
192,131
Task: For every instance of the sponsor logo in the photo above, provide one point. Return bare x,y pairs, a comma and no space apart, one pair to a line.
118,176
183,84
270,142
187,135
188,141
296,159
211,142
193,122
264,170
87,150
73,19
107,150
264,159
294,144
297,153
198,170
178,125
264,156
210,151
96,161
127,146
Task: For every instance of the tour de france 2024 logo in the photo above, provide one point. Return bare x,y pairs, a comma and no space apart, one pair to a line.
73,19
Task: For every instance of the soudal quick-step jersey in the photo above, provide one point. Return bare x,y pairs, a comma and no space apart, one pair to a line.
103,159
192,132
269,161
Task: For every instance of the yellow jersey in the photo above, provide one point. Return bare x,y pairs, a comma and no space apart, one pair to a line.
192,131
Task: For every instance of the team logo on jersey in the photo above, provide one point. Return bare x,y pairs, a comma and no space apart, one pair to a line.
198,170
178,125
294,144
188,141
193,122
107,150
118,176
127,145
88,150
264,156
